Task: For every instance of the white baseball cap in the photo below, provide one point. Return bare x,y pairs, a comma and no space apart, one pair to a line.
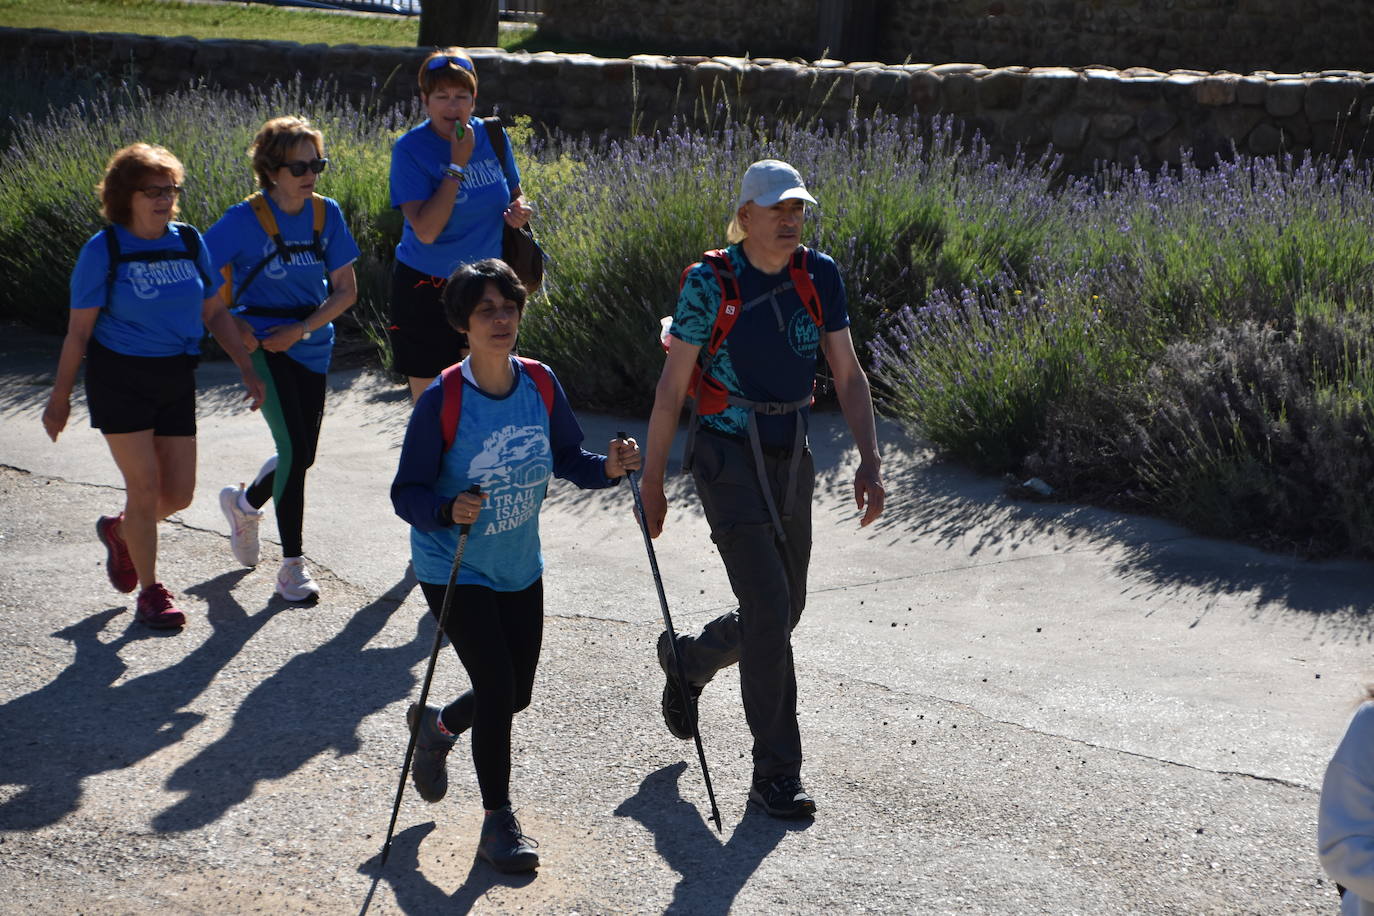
769,181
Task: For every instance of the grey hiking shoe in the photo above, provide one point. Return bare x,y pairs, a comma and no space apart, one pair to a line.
676,715
429,771
504,845
782,796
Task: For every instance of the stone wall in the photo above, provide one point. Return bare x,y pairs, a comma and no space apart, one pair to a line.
1235,35
1086,115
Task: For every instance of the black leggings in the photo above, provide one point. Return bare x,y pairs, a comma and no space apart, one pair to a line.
294,409
497,636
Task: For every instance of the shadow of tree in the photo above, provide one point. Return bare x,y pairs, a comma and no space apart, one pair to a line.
82,724
712,873
312,704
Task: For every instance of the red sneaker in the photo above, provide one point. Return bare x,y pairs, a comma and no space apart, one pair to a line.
156,610
119,566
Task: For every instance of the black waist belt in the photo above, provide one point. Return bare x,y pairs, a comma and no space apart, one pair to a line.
296,313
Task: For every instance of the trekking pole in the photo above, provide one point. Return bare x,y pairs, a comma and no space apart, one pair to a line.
672,639
429,675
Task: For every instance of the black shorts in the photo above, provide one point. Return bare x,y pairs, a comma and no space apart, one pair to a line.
128,394
423,344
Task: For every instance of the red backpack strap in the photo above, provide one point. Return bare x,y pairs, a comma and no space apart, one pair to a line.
451,407
729,311
543,380
801,281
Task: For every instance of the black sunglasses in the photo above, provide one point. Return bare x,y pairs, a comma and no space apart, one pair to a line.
297,169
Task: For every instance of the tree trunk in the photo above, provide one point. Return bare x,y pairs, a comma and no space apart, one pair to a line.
465,23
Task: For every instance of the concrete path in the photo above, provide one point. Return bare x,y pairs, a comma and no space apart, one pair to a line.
1007,707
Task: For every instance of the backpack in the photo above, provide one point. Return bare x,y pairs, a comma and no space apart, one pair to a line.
268,220
709,395
451,386
190,241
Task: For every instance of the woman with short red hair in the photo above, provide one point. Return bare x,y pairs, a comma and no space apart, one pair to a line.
142,294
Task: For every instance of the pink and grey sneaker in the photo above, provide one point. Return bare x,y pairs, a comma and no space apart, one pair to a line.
156,610
119,566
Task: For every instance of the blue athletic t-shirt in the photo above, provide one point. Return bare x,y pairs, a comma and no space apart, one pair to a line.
154,308
473,232
770,353
509,446
239,239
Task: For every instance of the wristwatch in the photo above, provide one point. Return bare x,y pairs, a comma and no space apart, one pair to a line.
305,332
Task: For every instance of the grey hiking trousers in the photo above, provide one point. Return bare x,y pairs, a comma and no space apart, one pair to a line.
768,577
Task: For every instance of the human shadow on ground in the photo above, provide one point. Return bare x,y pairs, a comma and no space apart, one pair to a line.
312,704
415,893
712,873
83,723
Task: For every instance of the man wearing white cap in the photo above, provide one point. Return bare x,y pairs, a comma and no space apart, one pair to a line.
749,324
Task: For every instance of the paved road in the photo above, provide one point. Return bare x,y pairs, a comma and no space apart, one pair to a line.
1008,707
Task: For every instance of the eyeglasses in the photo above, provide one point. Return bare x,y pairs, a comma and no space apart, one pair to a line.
438,62
162,190
298,169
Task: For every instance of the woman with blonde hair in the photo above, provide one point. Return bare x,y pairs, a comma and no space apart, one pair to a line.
456,194
142,294
288,257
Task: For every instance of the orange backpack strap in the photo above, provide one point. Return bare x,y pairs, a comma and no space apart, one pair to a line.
451,383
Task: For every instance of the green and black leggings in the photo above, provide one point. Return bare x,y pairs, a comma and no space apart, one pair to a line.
294,409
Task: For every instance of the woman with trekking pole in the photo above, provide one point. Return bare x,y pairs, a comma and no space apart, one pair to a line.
287,256
502,423
457,192
142,295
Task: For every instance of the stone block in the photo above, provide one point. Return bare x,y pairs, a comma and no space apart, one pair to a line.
1252,90
1048,91
1069,131
1266,140
1097,89
961,93
1139,89
1215,91
1285,97
1134,151
1155,123
1001,89
1234,124
926,92
1329,99
1112,125
1025,129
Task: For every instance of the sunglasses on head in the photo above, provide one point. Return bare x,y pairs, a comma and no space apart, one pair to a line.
298,169
438,62
162,190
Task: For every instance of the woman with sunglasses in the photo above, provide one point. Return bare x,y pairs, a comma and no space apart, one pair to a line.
286,292
142,294
456,196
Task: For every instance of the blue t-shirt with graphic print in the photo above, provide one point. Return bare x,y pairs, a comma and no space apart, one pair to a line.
474,227
770,353
154,308
509,446
239,239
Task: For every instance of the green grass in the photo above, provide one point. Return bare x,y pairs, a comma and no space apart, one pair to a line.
224,20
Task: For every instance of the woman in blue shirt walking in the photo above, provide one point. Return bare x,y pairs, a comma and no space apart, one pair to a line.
286,299
510,438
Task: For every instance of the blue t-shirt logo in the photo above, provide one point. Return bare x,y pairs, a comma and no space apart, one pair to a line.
803,334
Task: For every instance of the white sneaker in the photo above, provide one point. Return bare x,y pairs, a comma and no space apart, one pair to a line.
243,526
294,582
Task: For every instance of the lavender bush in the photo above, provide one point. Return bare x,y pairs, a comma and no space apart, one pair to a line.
1195,344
